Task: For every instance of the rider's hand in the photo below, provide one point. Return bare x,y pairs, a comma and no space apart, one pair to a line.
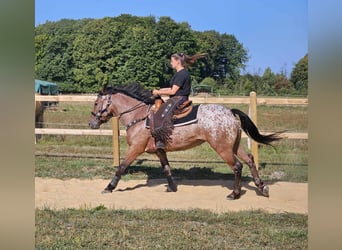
155,92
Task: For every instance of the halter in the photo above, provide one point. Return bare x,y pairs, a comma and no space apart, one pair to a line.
110,115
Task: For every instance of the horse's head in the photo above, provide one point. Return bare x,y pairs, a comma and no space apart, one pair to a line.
102,111
129,98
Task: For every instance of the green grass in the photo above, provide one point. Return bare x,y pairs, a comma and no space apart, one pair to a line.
288,157
100,228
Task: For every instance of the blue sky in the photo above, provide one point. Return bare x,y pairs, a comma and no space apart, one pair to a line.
275,32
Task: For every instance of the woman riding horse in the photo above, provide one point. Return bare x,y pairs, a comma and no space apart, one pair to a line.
219,126
180,83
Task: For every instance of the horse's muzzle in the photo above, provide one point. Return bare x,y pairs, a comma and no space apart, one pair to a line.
94,124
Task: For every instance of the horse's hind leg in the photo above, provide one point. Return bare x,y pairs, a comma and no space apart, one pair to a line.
236,166
228,155
227,148
237,169
172,187
249,160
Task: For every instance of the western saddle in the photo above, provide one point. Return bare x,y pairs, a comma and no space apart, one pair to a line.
161,120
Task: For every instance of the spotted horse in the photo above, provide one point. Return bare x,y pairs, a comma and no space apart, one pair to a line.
215,124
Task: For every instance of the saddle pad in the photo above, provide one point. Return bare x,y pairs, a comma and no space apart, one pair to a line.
189,119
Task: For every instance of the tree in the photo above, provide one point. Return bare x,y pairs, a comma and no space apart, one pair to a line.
171,38
94,49
299,76
233,56
226,55
53,46
84,54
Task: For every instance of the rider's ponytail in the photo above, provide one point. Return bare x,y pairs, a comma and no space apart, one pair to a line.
187,60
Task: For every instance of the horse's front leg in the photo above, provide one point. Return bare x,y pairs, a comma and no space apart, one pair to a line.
114,182
132,153
172,187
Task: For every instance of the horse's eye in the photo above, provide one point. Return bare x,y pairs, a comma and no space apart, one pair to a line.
95,104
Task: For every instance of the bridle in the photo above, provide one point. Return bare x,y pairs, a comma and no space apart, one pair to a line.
100,112
110,115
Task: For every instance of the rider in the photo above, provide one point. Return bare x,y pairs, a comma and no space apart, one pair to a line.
181,81
180,84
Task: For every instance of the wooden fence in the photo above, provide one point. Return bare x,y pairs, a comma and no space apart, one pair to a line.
252,101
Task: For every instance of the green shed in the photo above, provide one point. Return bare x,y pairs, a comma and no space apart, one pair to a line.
45,88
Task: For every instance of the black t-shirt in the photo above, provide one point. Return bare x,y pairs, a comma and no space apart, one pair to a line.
183,80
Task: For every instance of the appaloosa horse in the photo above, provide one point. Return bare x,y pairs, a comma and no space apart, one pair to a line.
216,124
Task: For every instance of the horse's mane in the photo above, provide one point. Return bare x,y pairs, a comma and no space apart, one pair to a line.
134,90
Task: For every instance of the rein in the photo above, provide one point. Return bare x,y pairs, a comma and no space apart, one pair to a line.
110,115
132,123
131,109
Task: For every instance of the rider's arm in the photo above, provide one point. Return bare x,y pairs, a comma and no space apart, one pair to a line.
167,91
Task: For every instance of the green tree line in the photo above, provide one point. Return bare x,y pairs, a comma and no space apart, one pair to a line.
83,55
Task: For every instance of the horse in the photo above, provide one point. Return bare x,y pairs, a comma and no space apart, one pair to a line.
217,125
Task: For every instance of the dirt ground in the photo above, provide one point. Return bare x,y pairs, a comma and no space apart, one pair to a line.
140,194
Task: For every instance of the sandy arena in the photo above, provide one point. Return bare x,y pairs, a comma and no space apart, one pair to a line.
140,194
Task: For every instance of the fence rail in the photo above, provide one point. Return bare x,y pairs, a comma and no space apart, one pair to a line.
195,99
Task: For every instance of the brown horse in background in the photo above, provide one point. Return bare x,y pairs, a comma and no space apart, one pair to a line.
216,124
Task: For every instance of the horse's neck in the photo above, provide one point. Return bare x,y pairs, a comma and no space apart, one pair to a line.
123,103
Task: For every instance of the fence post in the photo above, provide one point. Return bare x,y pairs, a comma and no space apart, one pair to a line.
253,115
116,145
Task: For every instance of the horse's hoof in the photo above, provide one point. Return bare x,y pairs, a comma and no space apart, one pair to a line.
233,196
266,191
106,191
171,189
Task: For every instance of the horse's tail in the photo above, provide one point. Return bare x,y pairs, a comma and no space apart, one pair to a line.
252,131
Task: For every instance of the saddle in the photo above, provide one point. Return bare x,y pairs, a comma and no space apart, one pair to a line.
183,110
179,112
162,117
